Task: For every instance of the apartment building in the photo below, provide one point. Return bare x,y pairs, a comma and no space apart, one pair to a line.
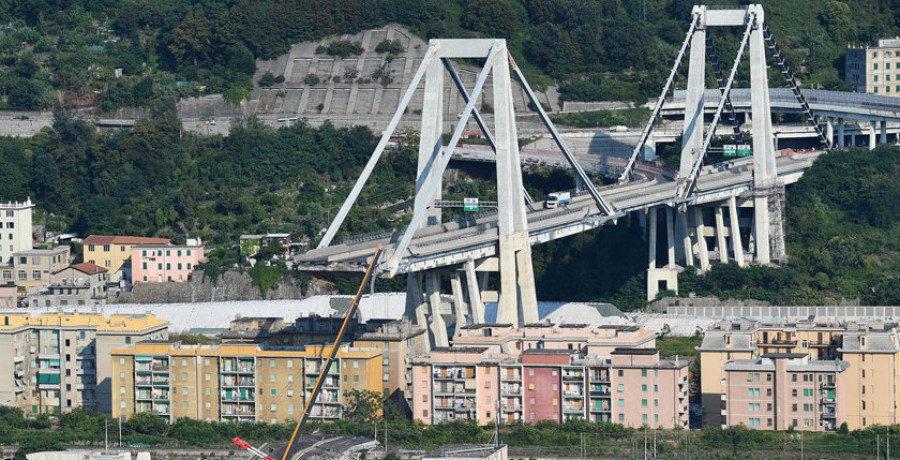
36,267
111,252
398,341
781,391
874,69
238,382
59,361
15,232
869,355
554,373
164,263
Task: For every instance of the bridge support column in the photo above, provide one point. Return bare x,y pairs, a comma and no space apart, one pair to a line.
460,308
720,236
737,245
475,303
829,130
641,217
700,232
682,220
840,128
883,124
651,239
436,326
670,236
430,141
761,228
777,252
872,124
692,139
518,300
415,306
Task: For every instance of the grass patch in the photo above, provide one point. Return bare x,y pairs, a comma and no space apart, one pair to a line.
681,346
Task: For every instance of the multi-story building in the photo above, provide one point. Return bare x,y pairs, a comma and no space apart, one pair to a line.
36,267
15,232
868,385
238,382
56,362
781,391
162,264
874,69
547,372
82,284
111,252
398,341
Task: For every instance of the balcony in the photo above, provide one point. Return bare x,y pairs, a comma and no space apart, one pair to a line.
683,408
510,377
512,408
778,342
19,359
573,410
829,415
573,394
827,384
85,371
574,376
512,391
43,356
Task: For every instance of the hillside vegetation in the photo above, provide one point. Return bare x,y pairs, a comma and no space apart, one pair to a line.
64,53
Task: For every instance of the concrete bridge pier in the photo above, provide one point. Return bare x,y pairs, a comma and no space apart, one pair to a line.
829,130
665,278
476,306
872,128
436,326
700,234
415,303
460,307
840,133
721,244
736,244
883,124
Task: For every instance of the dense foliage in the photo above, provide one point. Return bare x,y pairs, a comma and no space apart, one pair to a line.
842,226
156,180
65,52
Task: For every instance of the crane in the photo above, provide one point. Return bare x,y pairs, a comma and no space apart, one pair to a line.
351,310
256,452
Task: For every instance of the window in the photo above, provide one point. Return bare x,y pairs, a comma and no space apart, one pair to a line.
178,253
644,388
621,402
621,417
122,375
121,360
184,391
105,248
794,392
273,392
272,378
643,372
793,407
22,275
35,274
290,378
643,403
121,248
184,376
121,390
621,373
91,247
621,387
876,68
644,418
144,265
127,339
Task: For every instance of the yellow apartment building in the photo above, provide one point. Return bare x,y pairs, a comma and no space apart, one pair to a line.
55,362
874,358
238,382
111,252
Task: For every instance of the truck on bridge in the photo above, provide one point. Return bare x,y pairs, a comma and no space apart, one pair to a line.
556,199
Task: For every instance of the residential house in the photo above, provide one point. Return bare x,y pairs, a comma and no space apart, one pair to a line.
160,264
111,252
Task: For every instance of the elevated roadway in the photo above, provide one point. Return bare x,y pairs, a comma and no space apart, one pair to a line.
476,238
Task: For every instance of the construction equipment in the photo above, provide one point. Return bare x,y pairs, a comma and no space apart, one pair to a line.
351,310
246,445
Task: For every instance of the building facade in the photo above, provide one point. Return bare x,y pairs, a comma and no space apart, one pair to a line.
875,69
864,360
557,373
36,267
238,382
164,264
15,231
781,391
56,362
82,284
111,252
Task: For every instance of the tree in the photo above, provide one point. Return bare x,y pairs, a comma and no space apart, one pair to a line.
147,423
365,406
836,17
191,40
494,18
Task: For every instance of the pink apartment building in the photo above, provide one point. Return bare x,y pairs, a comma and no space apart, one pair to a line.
160,264
779,391
548,372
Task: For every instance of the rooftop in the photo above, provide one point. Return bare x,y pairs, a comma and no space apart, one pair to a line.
98,321
43,252
89,268
100,239
17,204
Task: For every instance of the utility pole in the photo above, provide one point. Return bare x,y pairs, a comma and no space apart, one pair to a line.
645,444
887,444
801,446
120,432
106,435
877,447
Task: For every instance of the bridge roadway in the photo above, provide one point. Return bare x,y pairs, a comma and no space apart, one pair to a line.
476,238
839,104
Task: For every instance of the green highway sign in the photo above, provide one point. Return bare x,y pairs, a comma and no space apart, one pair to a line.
743,150
729,150
470,204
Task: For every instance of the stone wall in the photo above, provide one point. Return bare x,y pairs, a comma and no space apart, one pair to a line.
231,285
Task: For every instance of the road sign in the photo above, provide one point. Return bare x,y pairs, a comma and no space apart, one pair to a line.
743,150
470,204
729,150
